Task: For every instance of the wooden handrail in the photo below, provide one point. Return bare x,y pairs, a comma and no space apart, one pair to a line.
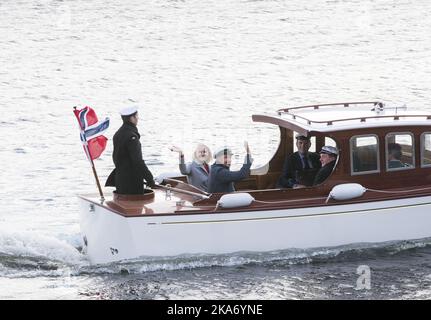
201,196
179,182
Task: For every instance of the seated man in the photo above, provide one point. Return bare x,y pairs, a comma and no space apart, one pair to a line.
299,164
328,158
221,179
394,156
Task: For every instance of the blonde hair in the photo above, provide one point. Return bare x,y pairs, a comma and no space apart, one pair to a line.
196,153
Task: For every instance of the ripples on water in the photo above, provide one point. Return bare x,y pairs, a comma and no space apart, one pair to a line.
198,70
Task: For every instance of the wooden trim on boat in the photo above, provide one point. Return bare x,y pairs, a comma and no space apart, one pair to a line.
291,204
298,216
147,196
279,122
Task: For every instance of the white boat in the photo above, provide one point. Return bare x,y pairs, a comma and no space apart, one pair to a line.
363,200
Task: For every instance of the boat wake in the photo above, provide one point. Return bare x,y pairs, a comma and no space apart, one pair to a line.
282,258
30,254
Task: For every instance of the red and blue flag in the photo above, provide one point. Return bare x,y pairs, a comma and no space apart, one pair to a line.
92,130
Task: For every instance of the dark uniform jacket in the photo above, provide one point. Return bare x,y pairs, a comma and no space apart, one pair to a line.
324,173
293,168
130,169
221,179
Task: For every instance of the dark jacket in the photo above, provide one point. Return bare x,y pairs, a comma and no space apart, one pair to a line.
324,173
221,179
293,168
130,169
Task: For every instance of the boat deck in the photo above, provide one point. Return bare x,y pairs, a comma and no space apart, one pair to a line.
178,203
174,203
159,204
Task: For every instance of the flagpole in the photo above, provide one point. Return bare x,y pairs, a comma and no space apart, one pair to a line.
93,167
102,198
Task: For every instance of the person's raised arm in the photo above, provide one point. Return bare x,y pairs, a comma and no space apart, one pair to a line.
184,168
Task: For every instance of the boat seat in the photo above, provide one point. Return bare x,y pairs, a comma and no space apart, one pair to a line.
267,181
249,183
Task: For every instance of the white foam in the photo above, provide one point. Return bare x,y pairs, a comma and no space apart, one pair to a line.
152,264
32,244
289,257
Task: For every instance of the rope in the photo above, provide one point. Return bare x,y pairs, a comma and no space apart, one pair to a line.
387,192
198,207
283,201
326,201
202,207
398,191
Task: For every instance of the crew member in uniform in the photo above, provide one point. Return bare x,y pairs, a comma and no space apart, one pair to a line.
130,169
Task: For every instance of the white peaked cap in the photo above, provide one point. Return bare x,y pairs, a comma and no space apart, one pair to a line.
222,150
128,111
329,150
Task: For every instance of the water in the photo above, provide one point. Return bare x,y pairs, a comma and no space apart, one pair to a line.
198,70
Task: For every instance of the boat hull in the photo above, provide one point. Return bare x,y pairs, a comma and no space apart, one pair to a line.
111,237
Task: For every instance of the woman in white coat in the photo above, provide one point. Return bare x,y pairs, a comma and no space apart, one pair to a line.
198,170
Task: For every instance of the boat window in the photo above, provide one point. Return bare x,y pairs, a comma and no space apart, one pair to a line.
364,155
313,144
426,149
400,154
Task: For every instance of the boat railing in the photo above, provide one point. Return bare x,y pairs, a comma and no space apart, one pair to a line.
375,104
343,104
182,187
180,184
168,188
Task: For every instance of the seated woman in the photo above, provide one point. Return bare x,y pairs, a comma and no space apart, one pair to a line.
197,171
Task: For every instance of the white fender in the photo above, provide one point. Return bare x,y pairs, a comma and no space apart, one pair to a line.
235,200
347,191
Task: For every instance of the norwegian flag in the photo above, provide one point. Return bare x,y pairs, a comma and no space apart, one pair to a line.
92,130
